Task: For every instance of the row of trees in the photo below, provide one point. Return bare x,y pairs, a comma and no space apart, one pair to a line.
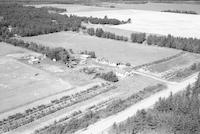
186,44
105,20
178,114
138,37
99,32
54,9
180,11
109,76
59,53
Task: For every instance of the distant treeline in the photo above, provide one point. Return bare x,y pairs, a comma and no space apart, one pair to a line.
105,20
31,21
186,44
57,10
178,114
180,11
99,32
89,2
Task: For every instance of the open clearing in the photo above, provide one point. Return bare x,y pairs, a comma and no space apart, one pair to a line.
116,51
183,25
19,83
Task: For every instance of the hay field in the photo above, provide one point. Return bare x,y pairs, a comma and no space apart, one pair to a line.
19,83
116,51
184,25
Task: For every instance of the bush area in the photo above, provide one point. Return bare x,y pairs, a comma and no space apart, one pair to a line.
180,11
31,21
99,32
138,37
91,53
179,114
109,76
57,10
92,117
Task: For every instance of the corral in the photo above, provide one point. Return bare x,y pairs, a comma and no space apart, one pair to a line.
124,52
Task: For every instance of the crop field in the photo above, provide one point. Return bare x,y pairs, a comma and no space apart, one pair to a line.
183,25
175,69
115,51
179,62
19,83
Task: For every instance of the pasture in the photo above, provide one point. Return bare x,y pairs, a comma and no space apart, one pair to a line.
115,51
183,25
21,84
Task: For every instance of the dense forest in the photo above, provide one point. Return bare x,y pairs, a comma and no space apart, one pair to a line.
31,21
177,114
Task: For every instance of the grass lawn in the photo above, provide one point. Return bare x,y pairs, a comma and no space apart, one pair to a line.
116,51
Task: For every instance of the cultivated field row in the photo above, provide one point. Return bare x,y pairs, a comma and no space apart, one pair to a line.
19,119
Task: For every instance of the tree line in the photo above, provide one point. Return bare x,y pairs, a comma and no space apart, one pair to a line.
99,32
59,53
180,11
178,114
54,9
105,20
186,44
